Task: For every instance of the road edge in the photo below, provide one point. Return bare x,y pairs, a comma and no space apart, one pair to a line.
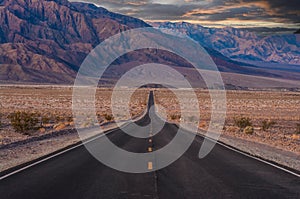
287,169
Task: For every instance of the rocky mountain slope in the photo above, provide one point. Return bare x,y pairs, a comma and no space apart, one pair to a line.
242,45
47,40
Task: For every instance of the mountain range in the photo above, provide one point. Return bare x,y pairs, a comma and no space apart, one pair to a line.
242,45
45,41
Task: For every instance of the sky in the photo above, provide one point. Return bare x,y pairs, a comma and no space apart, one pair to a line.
213,13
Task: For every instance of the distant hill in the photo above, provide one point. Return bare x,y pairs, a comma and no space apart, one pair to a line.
297,32
242,45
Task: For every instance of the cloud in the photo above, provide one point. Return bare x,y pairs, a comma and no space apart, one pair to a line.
273,12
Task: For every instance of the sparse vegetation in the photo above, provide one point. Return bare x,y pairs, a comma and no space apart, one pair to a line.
24,122
58,119
242,122
70,119
259,106
297,132
175,116
203,124
249,130
108,117
0,120
45,120
267,124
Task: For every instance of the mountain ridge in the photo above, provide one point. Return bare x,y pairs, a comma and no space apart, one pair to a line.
241,45
37,34
45,41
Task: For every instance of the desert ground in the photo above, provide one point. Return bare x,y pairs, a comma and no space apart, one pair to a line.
277,140
54,105
281,109
274,120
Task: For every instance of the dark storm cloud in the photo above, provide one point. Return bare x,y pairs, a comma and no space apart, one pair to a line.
209,10
163,12
281,5
267,10
145,10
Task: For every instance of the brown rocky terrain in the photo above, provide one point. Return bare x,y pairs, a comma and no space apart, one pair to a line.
279,143
280,107
46,41
55,104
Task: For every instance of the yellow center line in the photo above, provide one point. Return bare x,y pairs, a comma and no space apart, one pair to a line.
150,165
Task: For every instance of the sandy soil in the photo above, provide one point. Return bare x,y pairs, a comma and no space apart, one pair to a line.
55,103
278,143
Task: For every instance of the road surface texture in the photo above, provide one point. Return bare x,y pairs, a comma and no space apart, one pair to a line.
222,174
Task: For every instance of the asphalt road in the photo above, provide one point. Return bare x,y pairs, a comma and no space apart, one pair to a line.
222,174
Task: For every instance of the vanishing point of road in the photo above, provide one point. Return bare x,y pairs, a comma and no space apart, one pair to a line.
224,173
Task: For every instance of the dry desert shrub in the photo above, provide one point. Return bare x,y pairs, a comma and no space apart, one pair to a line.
267,124
175,116
242,122
24,122
232,129
297,132
249,130
108,117
45,120
202,124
